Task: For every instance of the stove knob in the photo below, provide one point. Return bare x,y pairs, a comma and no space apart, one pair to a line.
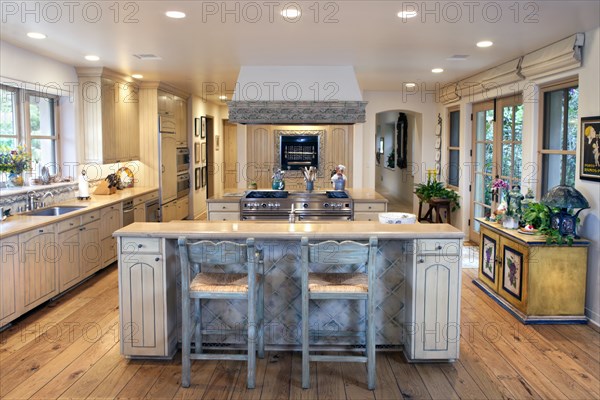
305,205
264,205
326,205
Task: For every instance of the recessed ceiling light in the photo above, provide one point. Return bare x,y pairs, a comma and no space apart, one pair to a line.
36,35
484,43
407,14
437,70
175,14
222,97
92,57
137,76
410,84
291,12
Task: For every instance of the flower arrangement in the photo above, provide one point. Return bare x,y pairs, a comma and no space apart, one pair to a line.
14,161
497,186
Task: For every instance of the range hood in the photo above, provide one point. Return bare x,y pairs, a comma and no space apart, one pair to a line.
297,95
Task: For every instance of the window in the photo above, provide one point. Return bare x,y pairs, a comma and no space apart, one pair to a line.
454,149
28,118
559,135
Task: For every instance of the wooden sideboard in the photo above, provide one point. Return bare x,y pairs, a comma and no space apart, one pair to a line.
536,282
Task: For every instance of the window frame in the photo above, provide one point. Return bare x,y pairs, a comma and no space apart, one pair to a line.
551,87
453,148
23,134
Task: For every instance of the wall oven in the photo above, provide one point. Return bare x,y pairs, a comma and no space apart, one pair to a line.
183,184
183,159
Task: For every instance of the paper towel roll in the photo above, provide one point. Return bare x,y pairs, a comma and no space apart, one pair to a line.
84,189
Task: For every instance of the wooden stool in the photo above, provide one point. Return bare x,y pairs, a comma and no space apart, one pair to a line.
197,285
435,205
335,286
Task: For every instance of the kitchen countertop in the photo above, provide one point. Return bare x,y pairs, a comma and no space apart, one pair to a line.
282,230
19,223
358,195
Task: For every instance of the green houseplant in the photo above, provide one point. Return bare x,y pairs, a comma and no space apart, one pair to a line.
538,216
436,190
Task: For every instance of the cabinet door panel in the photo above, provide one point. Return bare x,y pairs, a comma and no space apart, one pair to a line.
69,267
513,273
91,250
142,297
489,254
10,301
39,253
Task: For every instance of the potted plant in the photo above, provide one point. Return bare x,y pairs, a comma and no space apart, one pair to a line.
434,190
538,216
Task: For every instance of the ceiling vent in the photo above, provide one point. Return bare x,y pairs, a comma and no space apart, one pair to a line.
458,57
146,57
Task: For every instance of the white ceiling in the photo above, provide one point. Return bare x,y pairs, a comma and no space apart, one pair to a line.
384,50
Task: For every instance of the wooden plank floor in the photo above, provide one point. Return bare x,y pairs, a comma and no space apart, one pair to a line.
70,350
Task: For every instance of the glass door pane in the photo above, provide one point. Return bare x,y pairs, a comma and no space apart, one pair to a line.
483,169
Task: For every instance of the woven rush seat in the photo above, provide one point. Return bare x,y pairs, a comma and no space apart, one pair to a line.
219,282
338,282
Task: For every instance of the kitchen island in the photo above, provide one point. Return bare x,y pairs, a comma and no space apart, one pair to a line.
418,285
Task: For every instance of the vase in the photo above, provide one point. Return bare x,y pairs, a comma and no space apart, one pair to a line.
310,185
278,185
15,180
511,222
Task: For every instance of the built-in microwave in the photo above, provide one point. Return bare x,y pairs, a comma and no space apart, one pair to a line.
183,159
183,184
166,124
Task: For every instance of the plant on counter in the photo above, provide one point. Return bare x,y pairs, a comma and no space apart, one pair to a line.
538,215
434,189
14,161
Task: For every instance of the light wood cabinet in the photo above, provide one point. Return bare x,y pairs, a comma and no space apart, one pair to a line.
110,221
536,282
147,290
368,211
69,266
169,211
181,122
166,105
432,299
11,302
183,207
110,116
223,211
39,254
91,250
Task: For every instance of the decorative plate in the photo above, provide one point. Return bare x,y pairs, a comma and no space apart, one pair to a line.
438,155
438,142
524,232
438,130
126,177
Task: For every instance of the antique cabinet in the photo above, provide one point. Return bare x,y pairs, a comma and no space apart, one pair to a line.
536,282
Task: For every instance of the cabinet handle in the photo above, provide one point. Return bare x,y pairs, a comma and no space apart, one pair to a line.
224,207
91,216
157,259
140,246
41,231
369,207
71,224
82,229
421,261
438,247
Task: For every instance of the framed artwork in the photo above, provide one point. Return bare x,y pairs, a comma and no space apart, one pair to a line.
589,167
512,272
197,153
196,126
204,176
203,153
217,142
488,266
202,127
197,178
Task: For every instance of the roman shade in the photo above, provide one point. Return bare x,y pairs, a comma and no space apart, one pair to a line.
554,58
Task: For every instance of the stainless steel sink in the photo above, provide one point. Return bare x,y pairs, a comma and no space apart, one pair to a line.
54,211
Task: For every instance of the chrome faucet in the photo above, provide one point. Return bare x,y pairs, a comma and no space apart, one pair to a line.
31,200
42,203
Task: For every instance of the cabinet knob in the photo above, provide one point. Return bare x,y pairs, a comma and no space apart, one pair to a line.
421,261
140,246
224,207
157,259
438,247
369,207
71,224
41,231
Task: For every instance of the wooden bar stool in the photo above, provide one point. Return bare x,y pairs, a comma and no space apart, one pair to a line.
336,286
197,285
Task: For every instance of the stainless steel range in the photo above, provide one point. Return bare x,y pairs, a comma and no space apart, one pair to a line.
303,206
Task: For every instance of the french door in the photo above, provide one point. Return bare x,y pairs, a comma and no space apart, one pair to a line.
497,150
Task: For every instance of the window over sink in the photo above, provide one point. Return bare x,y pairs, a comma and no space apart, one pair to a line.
28,118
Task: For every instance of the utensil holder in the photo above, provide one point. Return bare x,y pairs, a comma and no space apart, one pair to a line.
310,186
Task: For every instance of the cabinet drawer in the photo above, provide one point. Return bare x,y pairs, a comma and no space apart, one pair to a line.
90,217
438,246
24,237
224,207
366,216
140,245
375,207
224,216
68,224
139,200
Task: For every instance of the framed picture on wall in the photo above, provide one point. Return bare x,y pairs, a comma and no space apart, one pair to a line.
197,153
202,127
203,153
589,163
197,178
196,126
204,176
